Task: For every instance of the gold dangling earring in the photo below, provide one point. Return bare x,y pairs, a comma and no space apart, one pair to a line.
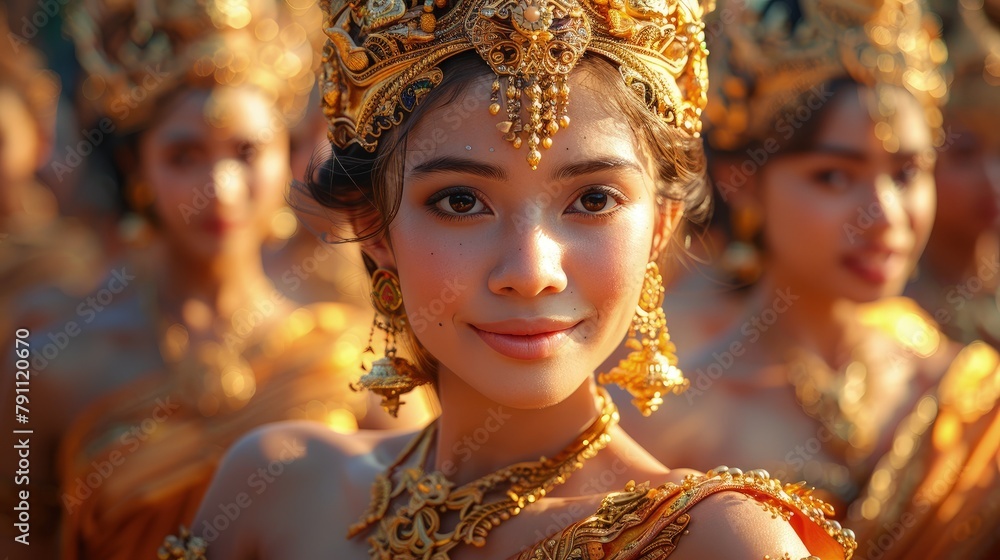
741,259
650,370
390,376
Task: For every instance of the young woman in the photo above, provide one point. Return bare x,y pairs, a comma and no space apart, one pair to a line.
826,372
187,345
959,275
513,261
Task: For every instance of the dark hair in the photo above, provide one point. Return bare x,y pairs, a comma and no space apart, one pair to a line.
354,183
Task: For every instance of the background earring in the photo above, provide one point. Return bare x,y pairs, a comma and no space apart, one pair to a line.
650,371
741,259
390,376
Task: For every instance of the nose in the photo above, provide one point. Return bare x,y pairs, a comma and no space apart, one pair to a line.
530,263
229,182
885,205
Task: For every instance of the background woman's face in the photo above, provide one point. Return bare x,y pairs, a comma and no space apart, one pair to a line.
218,165
522,282
968,181
846,218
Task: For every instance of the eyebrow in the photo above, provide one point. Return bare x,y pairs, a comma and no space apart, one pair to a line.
596,165
452,164
837,151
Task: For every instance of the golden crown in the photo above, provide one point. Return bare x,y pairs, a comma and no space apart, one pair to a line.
382,59
135,51
972,33
765,63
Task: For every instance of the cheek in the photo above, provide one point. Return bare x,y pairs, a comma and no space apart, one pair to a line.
800,226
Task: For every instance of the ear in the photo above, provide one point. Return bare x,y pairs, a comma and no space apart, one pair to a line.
377,250
667,221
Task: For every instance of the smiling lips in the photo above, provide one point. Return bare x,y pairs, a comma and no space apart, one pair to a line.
876,266
525,340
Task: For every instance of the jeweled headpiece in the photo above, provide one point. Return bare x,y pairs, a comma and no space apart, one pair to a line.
383,58
136,51
972,32
23,69
764,62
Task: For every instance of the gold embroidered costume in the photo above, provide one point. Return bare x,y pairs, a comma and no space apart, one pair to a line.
936,494
136,463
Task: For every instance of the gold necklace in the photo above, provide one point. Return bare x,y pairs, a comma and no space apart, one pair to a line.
840,400
414,531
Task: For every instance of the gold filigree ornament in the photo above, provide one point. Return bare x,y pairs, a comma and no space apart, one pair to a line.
136,52
382,60
389,376
765,65
415,529
650,371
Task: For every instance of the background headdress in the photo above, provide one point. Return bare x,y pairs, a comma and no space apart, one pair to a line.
766,60
23,69
383,57
971,29
136,51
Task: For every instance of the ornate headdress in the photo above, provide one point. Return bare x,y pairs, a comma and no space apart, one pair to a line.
23,69
765,62
383,58
136,51
972,33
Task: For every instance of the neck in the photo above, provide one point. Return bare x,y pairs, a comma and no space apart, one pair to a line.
224,285
478,436
788,318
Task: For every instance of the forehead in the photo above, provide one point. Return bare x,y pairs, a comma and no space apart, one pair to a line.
219,113
858,119
462,125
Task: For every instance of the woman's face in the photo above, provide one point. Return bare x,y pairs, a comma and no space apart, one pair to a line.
847,218
522,282
968,181
217,165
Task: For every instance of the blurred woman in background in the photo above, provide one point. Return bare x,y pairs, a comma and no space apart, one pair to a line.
188,344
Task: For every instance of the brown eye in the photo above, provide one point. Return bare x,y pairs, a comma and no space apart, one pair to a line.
457,201
594,202
461,203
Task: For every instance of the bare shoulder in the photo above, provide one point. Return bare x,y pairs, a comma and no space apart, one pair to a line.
730,524
288,482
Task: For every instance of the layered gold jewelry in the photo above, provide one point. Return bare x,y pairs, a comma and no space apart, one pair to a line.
763,65
650,371
383,58
414,530
390,376
135,52
839,399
